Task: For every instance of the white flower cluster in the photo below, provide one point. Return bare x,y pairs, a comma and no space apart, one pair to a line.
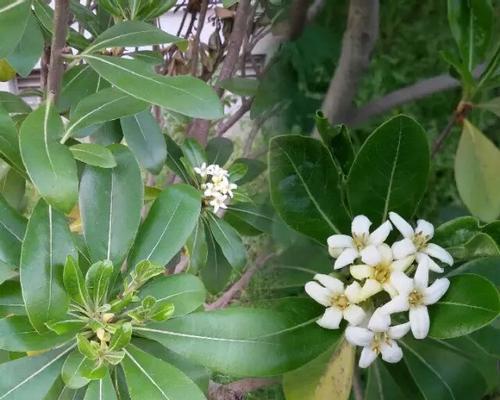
377,267
217,188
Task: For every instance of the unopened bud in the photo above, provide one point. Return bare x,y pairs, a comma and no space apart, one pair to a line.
107,317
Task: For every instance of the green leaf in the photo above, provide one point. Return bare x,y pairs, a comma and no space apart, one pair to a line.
93,154
145,139
393,163
381,385
9,142
492,105
170,221
185,291
196,249
183,94
13,188
17,334
29,49
108,133
174,158
219,150
97,281
46,245
477,163
305,187
12,229
229,241
31,378
64,326
151,378
193,152
106,105
13,19
131,34
13,104
327,377
50,164
470,303
11,299
71,371
487,267
121,337
237,172
241,86
248,218
85,17
6,273
110,206
216,272
261,342
254,169
74,283
101,390
59,391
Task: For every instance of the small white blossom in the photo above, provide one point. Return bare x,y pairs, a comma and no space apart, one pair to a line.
217,188
341,302
377,270
377,342
416,243
347,249
415,295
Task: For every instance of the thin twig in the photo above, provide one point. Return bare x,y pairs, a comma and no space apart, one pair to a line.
196,42
56,69
438,143
224,126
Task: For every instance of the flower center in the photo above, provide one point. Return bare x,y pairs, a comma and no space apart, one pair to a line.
415,298
359,241
379,339
381,273
340,301
420,240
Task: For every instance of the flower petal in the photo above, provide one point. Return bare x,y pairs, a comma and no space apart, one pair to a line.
402,264
370,255
360,271
403,248
421,277
401,282
385,253
438,252
379,321
361,226
352,292
334,285
341,241
319,293
335,252
387,286
345,258
397,304
370,288
424,228
398,331
391,352
330,319
435,291
358,336
379,235
419,321
354,314
401,225
367,357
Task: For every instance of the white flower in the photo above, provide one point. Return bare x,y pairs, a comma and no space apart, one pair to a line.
415,295
346,248
218,201
416,242
375,343
215,185
340,302
202,171
377,270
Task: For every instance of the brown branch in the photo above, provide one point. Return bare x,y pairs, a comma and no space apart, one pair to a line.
196,43
224,126
458,116
56,68
235,290
357,45
236,390
298,18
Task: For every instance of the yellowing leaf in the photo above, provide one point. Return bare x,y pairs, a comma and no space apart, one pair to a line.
477,173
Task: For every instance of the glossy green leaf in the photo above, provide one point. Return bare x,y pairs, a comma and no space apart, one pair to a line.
197,249
145,139
170,221
64,326
185,291
29,49
106,105
477,163
229,241
110,206
151,378
31,378
237,172
131,34
393,163
93,154
97,280
13,188
248,218
12,229
49,164
216,272
59,391
254,169
101,390
487,267
74,283
108,133
492,105
11,299
193,152
174,157
71,371
183,94
85,17
17,334
241,86
470,303
121,337
9,141
46,245
260,342
305,187
13,19
7,272
219,150
13,104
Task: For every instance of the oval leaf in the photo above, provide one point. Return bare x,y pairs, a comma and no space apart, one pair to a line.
93,154
9,142
229,241
102,389
12,229
13,19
